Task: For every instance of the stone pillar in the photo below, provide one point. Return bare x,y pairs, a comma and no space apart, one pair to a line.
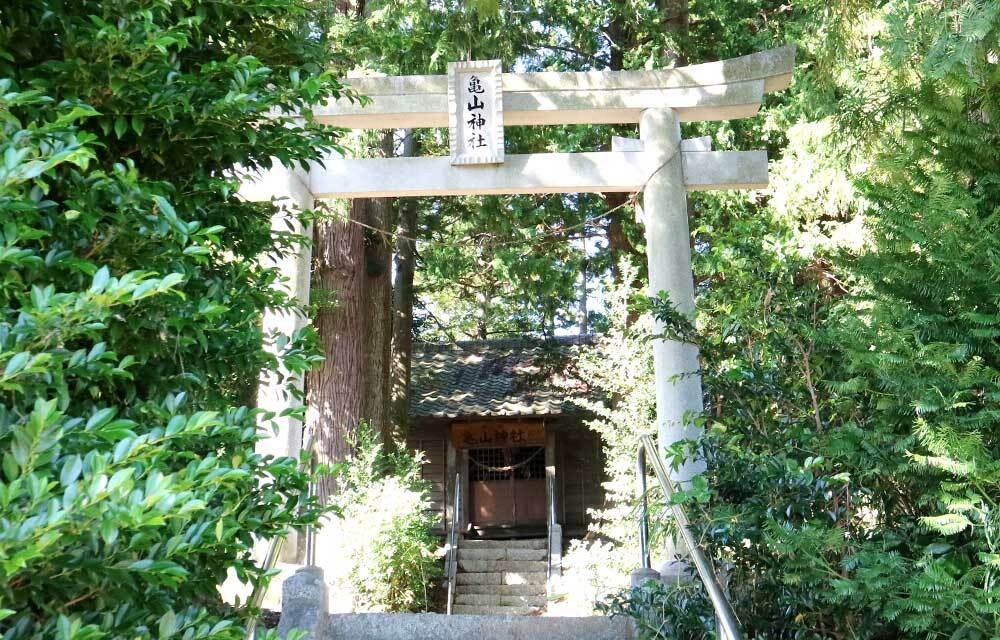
277,391
304,604
668,250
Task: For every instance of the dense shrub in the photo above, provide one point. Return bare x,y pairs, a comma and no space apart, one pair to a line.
131,292
856,448
678,611
851,382
388,559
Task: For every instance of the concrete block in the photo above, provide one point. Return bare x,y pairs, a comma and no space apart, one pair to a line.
485,554
494,610
531,601
532,543
501,600
526,554
710,91
479,578
641,576
608,171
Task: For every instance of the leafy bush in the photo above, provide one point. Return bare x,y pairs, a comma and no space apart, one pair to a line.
855,454
131,292
679,611
851,423
620,366
388,558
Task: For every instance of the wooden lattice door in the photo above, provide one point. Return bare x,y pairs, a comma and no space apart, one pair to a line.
507,487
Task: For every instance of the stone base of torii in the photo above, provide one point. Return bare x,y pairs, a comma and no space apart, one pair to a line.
659,164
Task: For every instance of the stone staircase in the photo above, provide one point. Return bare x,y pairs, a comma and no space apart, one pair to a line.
501,577
304,608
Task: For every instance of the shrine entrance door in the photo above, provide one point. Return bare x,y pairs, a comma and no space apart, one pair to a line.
507,490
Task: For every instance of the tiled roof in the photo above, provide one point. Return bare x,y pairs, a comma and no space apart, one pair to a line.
521,377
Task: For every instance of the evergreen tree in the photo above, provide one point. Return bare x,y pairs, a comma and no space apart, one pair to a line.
925,360
131,295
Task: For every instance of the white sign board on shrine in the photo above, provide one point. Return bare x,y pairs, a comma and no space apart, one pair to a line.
475,112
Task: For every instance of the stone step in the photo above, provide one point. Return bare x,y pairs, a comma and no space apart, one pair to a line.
505,566
532,543
500,600
502,589
498,577
433,626
486,553
484,610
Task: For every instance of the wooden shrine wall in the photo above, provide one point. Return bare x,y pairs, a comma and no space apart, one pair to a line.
432,440
579,477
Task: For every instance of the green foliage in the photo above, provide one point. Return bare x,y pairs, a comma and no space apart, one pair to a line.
488,266
924,352
414,36
852,436
389,558
620,366
593,570
847,326
679,611
500,266
847,316
131,292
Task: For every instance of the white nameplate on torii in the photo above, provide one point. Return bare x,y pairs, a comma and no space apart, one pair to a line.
475,112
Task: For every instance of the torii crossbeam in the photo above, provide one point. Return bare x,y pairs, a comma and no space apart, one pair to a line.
608,171
722,90
660,165
712,91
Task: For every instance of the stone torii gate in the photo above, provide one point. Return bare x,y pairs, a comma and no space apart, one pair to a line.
659,164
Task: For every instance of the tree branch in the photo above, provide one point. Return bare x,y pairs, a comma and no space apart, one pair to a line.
807,372
583,54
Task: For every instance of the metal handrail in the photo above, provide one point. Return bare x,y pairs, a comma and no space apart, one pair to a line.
551,488
274,549
724,614
453,543
310,532
643,510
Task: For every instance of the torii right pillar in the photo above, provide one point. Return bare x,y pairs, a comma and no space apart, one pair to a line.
668,251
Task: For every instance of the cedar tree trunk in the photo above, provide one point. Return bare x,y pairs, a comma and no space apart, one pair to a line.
402,307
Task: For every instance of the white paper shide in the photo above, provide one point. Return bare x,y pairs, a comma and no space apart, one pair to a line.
475,112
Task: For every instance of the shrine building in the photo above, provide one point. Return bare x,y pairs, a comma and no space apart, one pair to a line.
506,421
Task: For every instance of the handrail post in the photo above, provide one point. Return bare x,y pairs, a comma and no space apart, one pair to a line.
643,509
551,517
554,545
310,559
452,560
645,572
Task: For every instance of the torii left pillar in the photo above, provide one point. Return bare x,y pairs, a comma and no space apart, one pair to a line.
278,391
668,252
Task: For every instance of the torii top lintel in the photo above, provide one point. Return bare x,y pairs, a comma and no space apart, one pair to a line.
721,90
